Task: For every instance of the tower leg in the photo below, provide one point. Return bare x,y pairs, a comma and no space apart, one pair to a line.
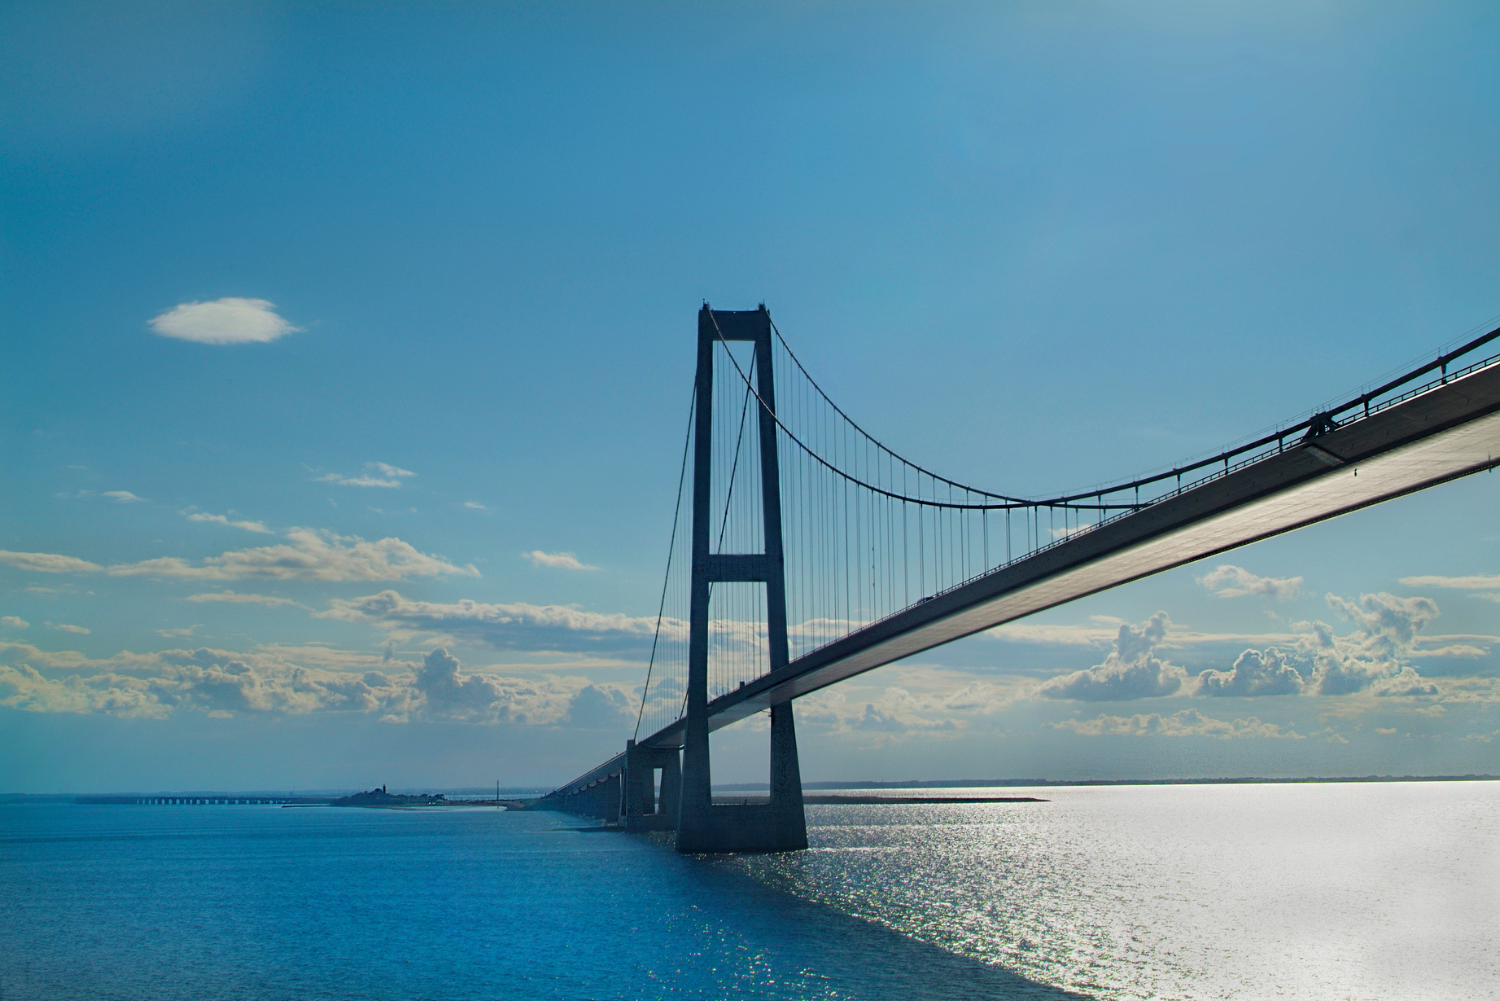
671,785
786,781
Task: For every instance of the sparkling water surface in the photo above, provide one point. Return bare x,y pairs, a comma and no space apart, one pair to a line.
1326,891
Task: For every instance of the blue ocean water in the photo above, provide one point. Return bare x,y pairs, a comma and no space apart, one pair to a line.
198,902
1308,891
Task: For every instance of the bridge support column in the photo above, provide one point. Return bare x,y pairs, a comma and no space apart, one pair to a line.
786,779
669,805
643,810
778,825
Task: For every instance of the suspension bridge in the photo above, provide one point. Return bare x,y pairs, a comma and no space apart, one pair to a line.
804,552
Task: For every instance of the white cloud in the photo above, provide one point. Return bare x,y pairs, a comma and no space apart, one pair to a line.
1254,672
1475,583
1405,682
1375,654
231,597
1187,723
564,561
1058,635
475,505
47,562
356,481
223,321
1130,671
1229,581
506,626
448,692
311,555
377,474
897,711
123,497
601,707
64,627
220,519
13,621
175,633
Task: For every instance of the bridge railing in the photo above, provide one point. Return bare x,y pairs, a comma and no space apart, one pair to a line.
1364,406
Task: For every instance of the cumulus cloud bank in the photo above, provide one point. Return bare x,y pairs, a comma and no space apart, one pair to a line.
1255,672
1375,655
1130,671
1375,658
1229,581
223,321
298,681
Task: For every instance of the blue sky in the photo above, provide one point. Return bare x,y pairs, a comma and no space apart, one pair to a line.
1034,246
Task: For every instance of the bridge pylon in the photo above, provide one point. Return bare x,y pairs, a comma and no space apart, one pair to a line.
702,826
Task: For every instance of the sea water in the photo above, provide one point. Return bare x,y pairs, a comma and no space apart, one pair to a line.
1325,891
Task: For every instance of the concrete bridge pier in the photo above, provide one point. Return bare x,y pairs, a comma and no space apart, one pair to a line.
600,798
643,809
776,826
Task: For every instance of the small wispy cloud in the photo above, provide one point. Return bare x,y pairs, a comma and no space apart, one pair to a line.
306,555
1229,581
356,481
47,562
562,561
230,597
220,519
475,505
1187,723
64,627
377,474
123,497
223,321
174,633
1482,582
14,622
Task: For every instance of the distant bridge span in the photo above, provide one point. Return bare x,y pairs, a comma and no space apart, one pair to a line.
1404,436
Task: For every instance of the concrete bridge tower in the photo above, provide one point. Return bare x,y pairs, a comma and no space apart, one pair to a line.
701,826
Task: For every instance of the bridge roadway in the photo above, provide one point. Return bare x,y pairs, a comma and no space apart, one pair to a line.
1447,431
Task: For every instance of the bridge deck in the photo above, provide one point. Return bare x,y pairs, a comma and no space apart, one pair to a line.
1447,432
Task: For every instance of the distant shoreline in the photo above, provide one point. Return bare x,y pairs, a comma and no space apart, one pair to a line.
517,794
